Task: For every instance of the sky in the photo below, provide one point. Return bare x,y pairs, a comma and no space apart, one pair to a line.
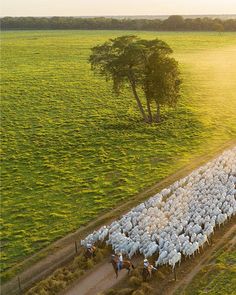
115,7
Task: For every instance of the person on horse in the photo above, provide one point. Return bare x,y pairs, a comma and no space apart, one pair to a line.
147,265
89,248
147,270
120,261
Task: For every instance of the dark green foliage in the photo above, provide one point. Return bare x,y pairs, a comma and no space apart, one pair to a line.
173,23
140,63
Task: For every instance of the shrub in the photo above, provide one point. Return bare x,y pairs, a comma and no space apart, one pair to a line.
146,288
160,275
135,281
69,276
109,292
138,292
99,256
90,263
42,292
126,291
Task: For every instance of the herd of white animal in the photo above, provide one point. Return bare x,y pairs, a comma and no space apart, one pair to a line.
178,220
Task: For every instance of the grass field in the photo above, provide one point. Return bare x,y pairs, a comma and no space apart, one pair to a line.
217,277
72,149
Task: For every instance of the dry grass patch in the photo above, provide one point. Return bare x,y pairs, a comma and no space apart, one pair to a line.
63,277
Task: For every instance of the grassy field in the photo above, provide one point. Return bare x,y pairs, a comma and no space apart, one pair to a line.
217,277
72,149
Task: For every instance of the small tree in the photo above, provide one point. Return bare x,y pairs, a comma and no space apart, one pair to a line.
144,64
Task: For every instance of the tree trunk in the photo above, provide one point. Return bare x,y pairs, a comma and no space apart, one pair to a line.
149,111
158,115
132,83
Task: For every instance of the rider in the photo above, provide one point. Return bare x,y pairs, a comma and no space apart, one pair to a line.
147,265
89,248
120,261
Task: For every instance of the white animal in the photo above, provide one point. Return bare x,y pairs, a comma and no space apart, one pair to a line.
180,219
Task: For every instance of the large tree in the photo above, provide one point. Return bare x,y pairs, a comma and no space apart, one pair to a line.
145,65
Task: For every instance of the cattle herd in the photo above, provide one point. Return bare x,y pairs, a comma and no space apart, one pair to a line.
178,220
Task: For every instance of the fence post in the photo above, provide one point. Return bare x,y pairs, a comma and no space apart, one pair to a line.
19,285
175,274
76,247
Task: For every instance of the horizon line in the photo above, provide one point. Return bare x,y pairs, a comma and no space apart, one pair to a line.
123,15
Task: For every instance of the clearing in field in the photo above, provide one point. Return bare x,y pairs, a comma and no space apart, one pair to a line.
72,149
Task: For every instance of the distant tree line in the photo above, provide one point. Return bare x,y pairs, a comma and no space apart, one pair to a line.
172,23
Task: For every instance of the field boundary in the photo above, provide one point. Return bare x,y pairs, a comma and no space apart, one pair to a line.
44,262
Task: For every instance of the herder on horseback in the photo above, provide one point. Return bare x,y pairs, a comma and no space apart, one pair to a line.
90,251
147,270
118,263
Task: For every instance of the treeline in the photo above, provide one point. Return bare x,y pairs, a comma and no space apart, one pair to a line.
172,23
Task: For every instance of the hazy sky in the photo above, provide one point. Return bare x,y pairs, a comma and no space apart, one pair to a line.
115,7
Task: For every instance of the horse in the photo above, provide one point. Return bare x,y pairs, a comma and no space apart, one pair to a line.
126,264
147,272
89,253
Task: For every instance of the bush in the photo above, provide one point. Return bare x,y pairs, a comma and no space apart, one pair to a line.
58,272
78,273
99,256
160,275
126,291
135,281
110,292
138,292
90,263
42,292
69,277
56,286
146,288
60,277
137,272
79,261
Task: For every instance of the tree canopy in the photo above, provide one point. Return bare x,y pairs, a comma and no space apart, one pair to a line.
172,23
145,65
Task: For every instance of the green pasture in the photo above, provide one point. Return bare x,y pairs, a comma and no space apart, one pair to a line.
71,149
218,277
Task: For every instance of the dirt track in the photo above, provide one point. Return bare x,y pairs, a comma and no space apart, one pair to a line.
102,278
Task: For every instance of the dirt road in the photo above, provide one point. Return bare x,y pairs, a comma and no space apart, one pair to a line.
99,280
